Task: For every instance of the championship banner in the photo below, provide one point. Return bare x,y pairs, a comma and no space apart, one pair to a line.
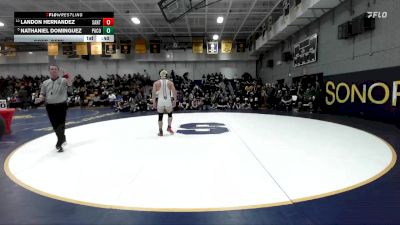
125,46
110,48
241,45
197,46
264,29
286,7
96,48
372,94
52,49
140,46
155,46
212,47
226,46
269,23
252,44
67,48
10,49
81,48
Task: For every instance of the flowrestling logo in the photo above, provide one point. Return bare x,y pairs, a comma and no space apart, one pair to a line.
380,15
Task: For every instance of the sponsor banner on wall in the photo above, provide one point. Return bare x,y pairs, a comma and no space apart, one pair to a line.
373,94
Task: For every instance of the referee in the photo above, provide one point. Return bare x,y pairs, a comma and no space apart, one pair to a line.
54,93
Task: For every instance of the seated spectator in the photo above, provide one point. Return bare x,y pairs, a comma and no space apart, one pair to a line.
149,102
245,104
185,102
286,101
123,106
307,100
207,102
112,99
263,96
133,105
195,105
236,103
254,102
222,103
230,102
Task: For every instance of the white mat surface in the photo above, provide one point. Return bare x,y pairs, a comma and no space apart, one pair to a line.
262,160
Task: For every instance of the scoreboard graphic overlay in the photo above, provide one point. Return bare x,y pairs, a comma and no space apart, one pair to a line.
63,26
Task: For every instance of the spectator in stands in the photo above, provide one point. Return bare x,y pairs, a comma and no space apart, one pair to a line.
236,103
254,102
318,102
207,101
222,103
208,93
112,98
286,101
245,104
308,100
186,103
195,104
123,106
23,96
270,95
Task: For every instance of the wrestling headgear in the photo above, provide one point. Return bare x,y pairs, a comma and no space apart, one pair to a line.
163,74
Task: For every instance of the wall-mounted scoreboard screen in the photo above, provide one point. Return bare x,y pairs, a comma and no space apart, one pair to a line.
64,27
305,52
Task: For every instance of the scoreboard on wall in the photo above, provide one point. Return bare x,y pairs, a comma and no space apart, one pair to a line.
64,27
305,52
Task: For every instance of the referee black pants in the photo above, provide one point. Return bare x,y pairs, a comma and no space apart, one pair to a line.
57,114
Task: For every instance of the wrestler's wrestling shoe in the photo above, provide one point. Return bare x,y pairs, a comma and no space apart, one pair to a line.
169,129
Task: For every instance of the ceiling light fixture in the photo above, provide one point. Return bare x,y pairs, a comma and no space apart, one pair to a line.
215,37
30,53
1,24
220,19
135,20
